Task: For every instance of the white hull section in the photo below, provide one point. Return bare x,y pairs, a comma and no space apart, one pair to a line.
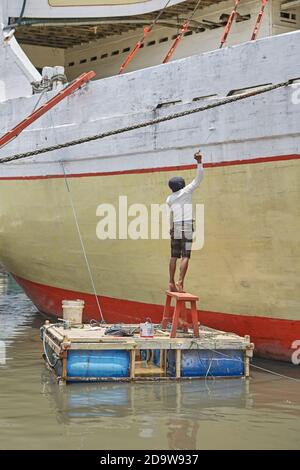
264,125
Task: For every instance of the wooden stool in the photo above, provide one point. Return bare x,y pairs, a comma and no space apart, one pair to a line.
180,311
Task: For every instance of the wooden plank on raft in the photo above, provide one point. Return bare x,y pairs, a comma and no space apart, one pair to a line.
213,342
149,370
103,346
178,363
64,371
132,363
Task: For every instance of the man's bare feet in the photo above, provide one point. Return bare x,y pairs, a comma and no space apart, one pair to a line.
172,287
179,286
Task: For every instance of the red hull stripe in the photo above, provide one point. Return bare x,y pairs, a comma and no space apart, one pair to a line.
160,169
273,338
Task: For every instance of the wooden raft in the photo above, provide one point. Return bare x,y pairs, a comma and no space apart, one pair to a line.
88,338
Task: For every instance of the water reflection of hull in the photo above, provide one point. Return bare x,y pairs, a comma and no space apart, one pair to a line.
16,310
81,401
3,282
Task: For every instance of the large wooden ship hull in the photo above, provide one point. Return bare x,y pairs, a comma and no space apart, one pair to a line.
247,273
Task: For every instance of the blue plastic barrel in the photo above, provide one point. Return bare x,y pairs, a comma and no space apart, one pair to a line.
101,364
202,363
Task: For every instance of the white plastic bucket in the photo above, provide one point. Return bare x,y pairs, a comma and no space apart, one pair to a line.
72,310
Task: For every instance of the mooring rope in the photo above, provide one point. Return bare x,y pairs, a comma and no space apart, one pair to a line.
82,243
51,364
275,373
102,135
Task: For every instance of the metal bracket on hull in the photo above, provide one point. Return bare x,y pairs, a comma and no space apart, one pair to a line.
67,91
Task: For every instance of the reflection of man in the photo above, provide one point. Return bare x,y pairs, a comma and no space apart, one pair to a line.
181,223
183,434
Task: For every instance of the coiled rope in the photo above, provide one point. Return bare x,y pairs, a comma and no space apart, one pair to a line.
43,331
102,135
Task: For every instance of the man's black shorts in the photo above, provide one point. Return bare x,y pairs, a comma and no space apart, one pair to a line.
181,240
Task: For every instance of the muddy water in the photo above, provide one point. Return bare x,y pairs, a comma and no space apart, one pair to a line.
36,413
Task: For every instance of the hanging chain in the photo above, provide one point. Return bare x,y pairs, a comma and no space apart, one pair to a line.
184,28
147,30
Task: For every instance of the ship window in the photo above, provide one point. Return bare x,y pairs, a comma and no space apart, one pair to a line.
126,49
199,98
163,40
93,58
104,56
115,52
188,33
242,91
151,43
82,61
288,17
71,64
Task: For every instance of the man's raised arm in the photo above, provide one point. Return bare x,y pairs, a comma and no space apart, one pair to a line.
199,174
